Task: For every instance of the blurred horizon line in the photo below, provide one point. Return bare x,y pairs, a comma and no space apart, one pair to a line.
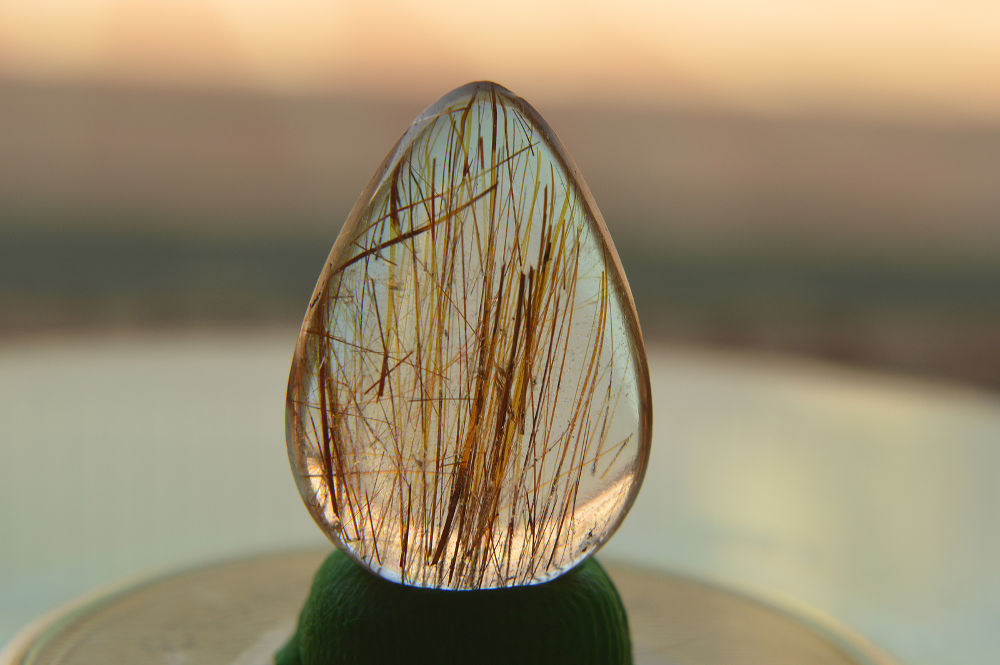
902,116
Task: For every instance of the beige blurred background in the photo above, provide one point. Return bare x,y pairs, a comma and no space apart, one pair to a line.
822,180
805,197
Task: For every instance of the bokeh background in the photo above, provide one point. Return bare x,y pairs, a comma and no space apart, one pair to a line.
805,197
817,180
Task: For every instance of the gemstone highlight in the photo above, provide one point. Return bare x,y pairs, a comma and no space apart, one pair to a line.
468,406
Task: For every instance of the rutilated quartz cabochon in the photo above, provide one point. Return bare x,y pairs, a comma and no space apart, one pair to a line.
469,401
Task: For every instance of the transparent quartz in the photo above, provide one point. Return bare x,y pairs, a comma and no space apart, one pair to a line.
468,405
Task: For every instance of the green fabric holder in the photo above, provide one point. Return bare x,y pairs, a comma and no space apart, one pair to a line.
353,616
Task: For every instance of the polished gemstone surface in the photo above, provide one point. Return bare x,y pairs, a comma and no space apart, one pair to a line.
468,405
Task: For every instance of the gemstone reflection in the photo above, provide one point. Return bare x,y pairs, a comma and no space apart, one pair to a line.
468,406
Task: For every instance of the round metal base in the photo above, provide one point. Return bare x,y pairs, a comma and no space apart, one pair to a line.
240,612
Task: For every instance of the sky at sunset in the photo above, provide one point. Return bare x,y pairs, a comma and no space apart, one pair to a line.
897,56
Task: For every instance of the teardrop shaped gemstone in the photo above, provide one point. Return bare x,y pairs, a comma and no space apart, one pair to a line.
468,405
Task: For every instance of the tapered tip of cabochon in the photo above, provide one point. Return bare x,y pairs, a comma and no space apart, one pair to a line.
352,616
469,404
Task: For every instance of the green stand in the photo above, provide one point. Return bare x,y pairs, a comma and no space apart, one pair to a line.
353,616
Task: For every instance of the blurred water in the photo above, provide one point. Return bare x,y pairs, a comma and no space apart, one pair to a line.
870,498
